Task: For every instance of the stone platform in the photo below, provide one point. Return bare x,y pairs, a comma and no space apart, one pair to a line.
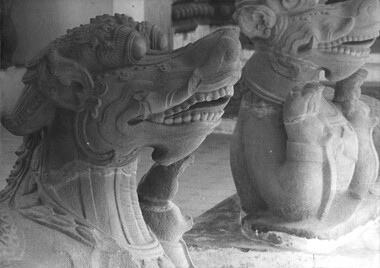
216,240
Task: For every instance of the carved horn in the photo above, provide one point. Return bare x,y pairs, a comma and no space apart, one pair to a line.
128,48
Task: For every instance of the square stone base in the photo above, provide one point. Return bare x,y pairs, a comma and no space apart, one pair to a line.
216,240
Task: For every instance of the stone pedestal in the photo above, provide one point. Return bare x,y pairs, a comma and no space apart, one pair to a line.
216,240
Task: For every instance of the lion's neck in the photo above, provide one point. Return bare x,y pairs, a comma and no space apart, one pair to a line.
105,197
276,76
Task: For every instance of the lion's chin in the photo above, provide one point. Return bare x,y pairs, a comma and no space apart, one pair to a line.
340,74
182,141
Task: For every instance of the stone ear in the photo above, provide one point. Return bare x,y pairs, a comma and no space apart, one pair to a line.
66,82
256,21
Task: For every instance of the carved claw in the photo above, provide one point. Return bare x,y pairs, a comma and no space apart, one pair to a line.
302,103
360,118
300,115
348,90
366,169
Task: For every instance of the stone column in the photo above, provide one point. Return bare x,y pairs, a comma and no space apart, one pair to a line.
8,35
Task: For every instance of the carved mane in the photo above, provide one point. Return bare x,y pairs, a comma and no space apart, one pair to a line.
107,42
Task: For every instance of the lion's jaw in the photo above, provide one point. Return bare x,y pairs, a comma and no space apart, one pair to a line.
334,36
170,102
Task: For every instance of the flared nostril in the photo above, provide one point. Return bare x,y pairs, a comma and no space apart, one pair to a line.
229,42
232,33
233,54
221,52
232,49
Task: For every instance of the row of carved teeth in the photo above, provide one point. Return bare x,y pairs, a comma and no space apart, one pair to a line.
356,52
200,97
347,39
190,116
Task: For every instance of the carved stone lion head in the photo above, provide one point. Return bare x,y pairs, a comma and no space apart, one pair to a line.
114,86
333,35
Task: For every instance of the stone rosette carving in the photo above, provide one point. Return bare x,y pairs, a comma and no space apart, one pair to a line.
92,99
303,158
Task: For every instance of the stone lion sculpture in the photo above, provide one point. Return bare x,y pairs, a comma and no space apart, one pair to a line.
92,99
303,158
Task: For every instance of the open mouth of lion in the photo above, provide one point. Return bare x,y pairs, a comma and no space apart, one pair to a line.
356,46
201,107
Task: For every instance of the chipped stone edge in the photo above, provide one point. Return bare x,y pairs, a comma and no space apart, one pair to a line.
316,246
226,126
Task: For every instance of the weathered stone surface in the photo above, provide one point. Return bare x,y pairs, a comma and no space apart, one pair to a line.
92,99
220,227
216,240
303,163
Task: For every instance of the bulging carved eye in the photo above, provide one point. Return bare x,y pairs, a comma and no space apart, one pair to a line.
158,39
330,2
138,47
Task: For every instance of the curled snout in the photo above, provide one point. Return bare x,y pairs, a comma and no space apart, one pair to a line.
222,56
